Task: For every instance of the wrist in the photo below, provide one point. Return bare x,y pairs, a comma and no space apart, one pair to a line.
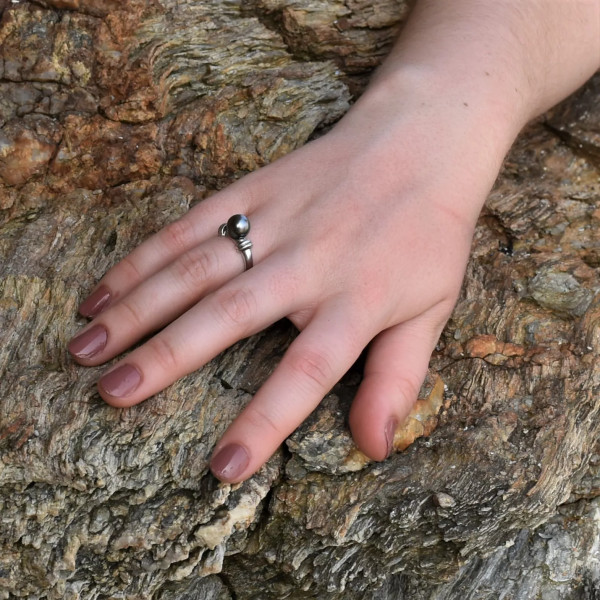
480,106
517,59
414,123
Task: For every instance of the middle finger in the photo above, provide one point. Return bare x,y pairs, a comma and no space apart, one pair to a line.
240,308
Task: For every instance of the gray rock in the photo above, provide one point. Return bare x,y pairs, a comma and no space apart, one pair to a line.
109,115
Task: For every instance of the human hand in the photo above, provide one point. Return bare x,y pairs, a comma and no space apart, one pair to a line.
361,237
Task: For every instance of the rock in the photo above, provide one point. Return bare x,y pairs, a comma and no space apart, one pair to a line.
115,117
444,500
560,292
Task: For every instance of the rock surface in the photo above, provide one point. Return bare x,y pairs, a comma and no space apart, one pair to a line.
115,117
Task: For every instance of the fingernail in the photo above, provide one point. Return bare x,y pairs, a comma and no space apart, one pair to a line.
121,382
95,303
89,343
390,431
229,463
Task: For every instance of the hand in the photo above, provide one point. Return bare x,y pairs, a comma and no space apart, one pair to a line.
361,237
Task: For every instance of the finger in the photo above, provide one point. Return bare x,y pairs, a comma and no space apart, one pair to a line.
200,223
242,307
394,372
157,301
315,361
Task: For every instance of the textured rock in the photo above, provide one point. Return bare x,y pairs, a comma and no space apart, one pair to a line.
115,117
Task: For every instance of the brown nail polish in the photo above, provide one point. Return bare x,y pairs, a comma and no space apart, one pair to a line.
121,382
89,343
96,302
390,431
229,463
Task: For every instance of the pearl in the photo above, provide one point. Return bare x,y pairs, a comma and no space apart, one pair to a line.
238,226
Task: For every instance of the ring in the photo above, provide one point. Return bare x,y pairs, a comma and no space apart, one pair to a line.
237,228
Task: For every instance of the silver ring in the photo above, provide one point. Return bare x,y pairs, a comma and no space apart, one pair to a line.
237,228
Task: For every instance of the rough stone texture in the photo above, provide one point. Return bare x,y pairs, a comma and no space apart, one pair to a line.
115,116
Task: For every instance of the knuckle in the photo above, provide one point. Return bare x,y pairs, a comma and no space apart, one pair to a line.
259,419
312,368
178,236
409,386
163,352
195,268
234,307
133,314
133,274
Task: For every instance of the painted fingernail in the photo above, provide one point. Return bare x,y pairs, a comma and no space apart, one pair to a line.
390,430
89,343
121,382
96,302
230,462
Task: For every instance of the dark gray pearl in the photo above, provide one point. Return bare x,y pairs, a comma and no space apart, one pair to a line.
238,226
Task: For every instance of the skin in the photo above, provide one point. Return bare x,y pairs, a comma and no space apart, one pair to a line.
371,248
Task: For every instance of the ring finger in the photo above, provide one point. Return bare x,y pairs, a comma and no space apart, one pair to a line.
243,306
157,301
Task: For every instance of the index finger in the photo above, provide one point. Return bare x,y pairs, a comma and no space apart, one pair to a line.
312,365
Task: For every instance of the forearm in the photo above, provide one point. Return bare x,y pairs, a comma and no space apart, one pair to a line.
532,52
466,75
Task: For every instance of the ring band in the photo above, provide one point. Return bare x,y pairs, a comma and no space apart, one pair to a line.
237,228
